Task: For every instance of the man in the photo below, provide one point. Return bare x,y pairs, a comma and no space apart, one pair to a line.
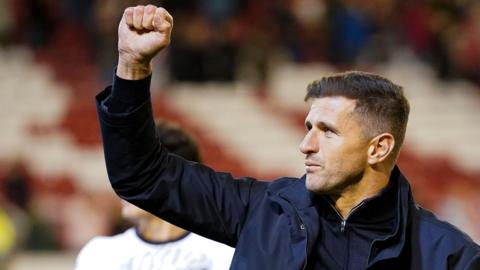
154,243
352,210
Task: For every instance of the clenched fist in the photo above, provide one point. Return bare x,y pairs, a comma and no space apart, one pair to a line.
142,33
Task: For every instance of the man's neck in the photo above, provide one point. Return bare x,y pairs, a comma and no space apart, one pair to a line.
157,230
369,186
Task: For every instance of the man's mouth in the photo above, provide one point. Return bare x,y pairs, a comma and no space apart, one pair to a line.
311,166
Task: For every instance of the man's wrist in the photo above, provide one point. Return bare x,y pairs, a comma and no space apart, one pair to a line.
127,95
130,70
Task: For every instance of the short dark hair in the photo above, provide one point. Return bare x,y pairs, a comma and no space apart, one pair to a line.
177,141
379,102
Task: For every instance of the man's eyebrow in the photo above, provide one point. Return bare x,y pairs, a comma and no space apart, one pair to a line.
323,124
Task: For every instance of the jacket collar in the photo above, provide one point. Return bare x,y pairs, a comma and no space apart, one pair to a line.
392,246
297,194
389,247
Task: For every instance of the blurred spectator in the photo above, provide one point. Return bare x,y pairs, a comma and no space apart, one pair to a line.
219,11
8,238
415,19
350,30
106,18
466,49
35,21
385,32
443,21
309,16
5,22
37,232
80,11
203,50
154,243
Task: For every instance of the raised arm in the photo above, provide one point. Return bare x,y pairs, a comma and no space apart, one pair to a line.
140,169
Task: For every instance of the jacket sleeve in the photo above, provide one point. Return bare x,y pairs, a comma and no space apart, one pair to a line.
184,193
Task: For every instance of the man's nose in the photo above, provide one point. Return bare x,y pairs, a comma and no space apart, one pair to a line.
309,144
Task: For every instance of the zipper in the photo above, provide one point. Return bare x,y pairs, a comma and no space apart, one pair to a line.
343,222
342,225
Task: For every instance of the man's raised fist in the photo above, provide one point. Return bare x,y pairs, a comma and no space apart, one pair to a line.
142,33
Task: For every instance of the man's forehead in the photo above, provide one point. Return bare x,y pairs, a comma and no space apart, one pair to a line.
336,105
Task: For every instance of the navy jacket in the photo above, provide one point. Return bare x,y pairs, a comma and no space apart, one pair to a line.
273,225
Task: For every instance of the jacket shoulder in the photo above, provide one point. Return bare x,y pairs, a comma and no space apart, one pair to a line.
433,230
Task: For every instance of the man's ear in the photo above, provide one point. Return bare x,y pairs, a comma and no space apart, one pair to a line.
380,148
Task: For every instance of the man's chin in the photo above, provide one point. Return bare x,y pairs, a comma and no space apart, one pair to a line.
314,185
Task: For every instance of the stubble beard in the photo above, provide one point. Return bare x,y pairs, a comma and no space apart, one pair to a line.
331,185
317,184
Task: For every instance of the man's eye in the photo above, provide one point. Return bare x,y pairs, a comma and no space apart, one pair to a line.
328,132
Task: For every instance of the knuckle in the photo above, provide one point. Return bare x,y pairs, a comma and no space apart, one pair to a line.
150,7
138,9
161,10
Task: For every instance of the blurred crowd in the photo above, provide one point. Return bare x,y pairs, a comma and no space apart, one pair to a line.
224,40
50,214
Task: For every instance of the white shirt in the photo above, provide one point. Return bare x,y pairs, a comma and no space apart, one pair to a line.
127,251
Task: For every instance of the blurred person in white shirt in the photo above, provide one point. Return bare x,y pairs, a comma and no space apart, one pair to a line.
154,243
